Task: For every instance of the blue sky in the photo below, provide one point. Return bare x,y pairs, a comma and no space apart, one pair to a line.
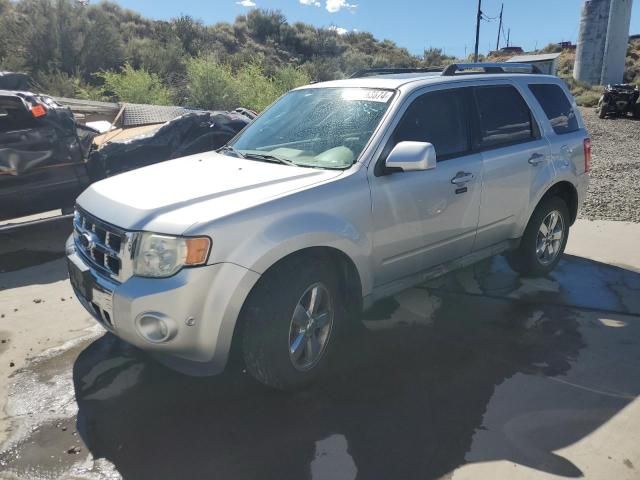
448,24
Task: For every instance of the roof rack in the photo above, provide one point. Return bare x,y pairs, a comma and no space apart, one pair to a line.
504,67
369,72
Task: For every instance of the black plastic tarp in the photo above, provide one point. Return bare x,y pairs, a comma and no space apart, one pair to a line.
188,134
28,142
42,154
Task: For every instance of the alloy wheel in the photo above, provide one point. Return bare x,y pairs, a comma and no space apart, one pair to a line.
310,327
550,237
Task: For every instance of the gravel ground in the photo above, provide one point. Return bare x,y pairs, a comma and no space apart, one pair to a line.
614,191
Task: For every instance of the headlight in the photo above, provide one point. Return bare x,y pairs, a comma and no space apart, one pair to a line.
163,255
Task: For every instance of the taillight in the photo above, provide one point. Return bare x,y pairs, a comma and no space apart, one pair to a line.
587,155
38,110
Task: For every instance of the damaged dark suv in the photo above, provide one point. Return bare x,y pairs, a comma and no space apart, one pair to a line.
42,154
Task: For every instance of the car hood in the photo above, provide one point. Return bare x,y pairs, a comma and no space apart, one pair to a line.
172,196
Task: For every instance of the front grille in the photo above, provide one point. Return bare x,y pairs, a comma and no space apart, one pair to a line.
100,243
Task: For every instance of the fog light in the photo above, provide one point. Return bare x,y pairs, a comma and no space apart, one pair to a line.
156,327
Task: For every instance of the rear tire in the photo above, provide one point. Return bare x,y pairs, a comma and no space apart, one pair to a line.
544,239
286,342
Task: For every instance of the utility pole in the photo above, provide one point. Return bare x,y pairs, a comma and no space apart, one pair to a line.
499,28
508,37
475,55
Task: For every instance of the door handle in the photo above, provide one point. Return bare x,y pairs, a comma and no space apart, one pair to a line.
461,178
536,159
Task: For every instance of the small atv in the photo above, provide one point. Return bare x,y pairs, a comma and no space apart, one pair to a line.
619,100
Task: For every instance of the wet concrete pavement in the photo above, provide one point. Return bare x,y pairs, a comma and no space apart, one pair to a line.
479,374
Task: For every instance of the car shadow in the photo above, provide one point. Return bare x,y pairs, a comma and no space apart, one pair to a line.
32,254
407,397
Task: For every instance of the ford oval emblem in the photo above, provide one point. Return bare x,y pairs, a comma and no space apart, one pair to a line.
87,240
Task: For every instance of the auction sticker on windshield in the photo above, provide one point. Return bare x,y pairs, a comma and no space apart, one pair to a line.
367,94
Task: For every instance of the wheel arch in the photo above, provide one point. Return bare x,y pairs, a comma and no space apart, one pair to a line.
348,274
564,189
569,193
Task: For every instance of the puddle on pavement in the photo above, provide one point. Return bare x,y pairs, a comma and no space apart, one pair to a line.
405,402
576,281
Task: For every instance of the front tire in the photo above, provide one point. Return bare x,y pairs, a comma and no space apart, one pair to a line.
544,239
292,322
601,109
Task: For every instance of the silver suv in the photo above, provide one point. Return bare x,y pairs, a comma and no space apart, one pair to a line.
339,194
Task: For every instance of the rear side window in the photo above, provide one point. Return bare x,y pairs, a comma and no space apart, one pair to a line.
556,106
505,118
438,118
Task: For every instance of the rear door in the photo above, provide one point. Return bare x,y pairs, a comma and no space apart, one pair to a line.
516,160
566,136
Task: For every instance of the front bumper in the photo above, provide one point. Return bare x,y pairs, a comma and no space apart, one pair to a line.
202,303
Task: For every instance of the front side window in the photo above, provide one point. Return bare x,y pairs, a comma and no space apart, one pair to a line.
316,127
438,118
556,107
504,116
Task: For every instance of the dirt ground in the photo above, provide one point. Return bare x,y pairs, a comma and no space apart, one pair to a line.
480,374
615,173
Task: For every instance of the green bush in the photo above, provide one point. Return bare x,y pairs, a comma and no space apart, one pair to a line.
211,85
289,77
216,86
135,86
256,90
588,99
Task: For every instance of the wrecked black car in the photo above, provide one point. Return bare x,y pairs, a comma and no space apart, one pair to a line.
42,154
619,100
47,158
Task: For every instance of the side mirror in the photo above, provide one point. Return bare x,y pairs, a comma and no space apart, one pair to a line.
411,156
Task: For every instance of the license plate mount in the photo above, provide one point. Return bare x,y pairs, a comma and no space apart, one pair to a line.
80,279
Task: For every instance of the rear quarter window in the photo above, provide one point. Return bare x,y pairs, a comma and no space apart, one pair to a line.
14,116
556,106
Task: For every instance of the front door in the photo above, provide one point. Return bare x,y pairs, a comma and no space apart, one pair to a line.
425,218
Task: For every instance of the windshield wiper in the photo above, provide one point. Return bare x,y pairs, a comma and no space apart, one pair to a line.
270,158
229,148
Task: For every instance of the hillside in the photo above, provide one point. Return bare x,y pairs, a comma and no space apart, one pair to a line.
103,51
67,48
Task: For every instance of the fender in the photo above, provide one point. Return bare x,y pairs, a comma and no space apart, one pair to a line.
308,230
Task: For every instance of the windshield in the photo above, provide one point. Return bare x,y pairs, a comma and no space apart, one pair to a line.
316,127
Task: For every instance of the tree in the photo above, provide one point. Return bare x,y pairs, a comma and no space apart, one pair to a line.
190,32
103,47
